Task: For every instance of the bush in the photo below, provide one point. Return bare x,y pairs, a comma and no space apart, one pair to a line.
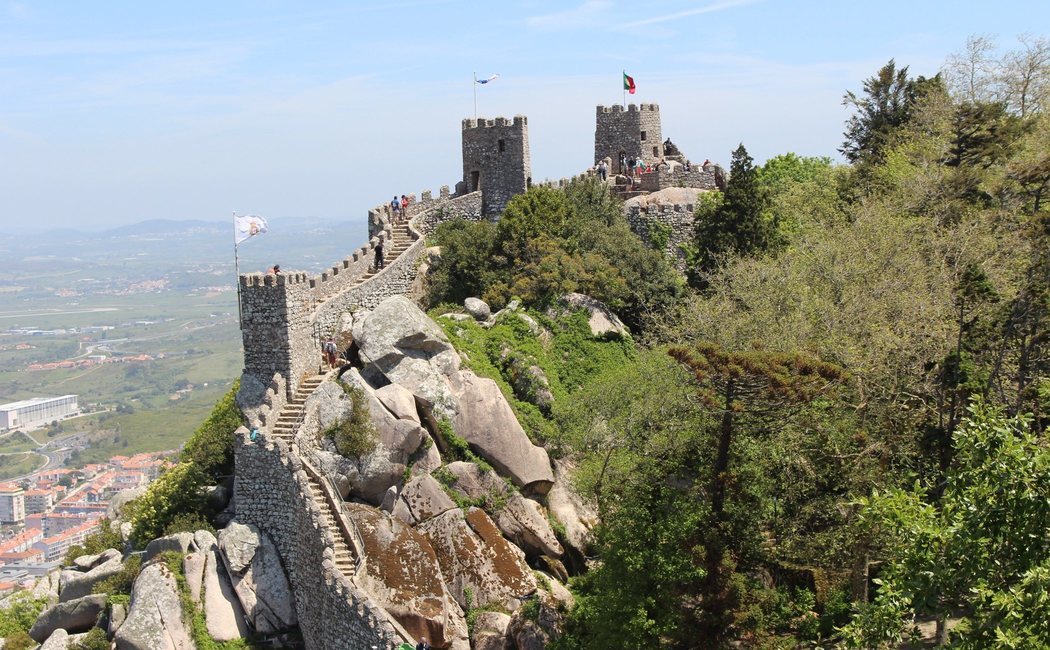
188,522
95,640
19,615
122,582
98,541
211,445
177,492
354,436
19,641
178,495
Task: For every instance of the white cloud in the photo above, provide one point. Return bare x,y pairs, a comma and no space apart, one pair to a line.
583,15
707,9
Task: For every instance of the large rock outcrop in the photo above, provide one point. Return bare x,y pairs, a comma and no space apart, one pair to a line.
77,585
473,554
155,620
72,616
398,340
403,574
486,421
258,578
520,519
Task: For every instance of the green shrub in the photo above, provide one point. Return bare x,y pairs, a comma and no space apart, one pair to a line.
188,522
177,492
19,641
178,495
95,640
211,445
98,541
20,614
122,582
355,435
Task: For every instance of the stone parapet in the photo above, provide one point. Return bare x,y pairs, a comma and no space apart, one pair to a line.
657,221
271,492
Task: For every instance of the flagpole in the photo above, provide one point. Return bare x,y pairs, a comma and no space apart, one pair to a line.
624,88
237,271
475,86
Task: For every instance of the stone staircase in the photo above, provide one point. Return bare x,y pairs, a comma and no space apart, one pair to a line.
402,239
621,186
287,425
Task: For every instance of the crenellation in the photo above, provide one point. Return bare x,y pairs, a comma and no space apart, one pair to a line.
284,318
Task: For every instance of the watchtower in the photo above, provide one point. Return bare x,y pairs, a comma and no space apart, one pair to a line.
496,160
634,132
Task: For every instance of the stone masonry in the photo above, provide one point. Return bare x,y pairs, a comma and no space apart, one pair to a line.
496,160
285,317
675,221
271,493
635,132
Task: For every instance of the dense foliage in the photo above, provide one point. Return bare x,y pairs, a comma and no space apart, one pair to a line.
816,426
177,499
981,549
354,435
17,616
550,242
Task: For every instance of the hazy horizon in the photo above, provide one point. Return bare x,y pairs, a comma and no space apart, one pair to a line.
125,112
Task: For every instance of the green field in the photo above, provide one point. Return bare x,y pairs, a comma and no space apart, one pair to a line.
16,442
13,465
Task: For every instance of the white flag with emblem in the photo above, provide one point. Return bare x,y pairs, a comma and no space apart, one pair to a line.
246,227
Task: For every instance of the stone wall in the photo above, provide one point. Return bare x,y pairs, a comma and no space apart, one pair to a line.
275,325
496,160
285,317
677,218
271,492
426,212
619,130
661,179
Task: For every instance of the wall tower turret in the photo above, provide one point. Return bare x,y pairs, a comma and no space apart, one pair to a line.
634,132
496,160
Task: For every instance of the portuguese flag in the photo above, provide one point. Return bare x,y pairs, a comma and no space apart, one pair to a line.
628,83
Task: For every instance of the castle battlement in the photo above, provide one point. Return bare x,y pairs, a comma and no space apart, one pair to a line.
631,108
270,280
483,123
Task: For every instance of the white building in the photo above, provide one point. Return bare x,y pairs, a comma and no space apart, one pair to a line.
30,413
12,504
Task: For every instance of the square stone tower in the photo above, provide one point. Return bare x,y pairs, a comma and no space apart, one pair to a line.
634,132
496,160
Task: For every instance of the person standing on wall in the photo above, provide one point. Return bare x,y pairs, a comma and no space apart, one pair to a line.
379,261
404,207
603,171
330,352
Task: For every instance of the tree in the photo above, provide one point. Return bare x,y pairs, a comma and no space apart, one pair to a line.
983,549
747,391
738,225
884,107
1026,76
466,266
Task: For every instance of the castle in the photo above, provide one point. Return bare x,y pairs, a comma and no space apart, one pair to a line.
286,316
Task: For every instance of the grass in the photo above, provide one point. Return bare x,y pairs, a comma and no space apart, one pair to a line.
570,359
150,429
13,465
17,442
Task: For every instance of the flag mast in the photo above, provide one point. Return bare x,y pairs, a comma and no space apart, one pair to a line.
475,87
237,271
624,88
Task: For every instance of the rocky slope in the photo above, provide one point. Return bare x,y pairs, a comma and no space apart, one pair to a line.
462,518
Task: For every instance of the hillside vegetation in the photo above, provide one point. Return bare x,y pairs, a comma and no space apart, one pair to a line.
837,431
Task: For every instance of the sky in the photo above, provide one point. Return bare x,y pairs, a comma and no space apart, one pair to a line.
116,112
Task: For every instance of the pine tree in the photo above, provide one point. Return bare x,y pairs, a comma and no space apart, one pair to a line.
738,224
